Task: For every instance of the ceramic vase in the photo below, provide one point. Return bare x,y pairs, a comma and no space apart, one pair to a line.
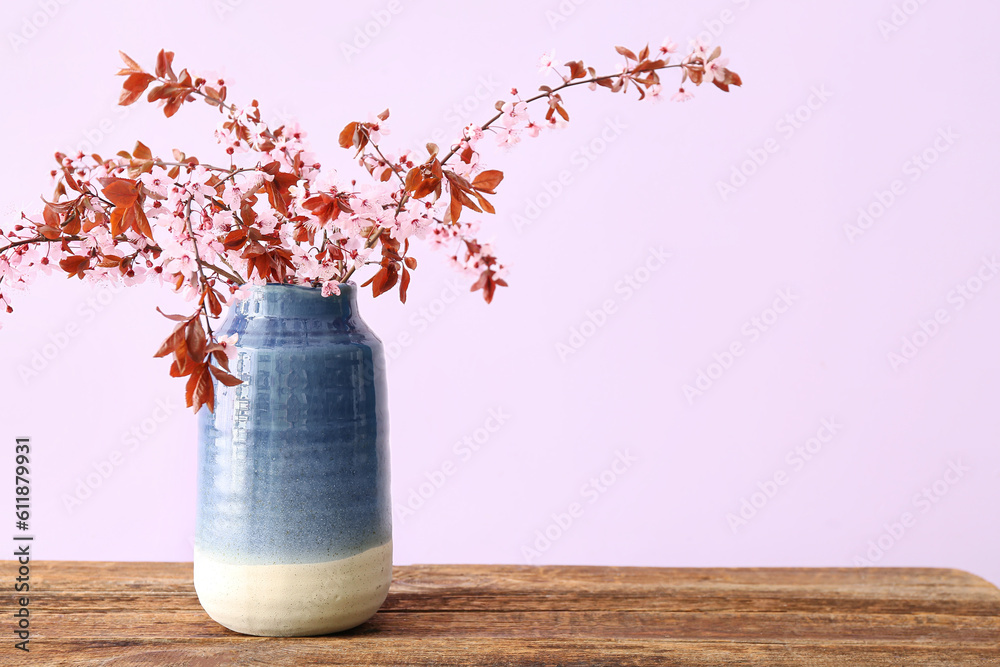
294,533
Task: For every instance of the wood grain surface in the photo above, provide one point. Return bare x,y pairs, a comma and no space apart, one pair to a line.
100,613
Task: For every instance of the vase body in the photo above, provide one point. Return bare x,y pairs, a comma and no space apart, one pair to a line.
294,533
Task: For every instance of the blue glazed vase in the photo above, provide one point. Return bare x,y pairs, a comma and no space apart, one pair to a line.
294,533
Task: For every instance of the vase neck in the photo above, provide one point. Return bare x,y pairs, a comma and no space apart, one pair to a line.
299,302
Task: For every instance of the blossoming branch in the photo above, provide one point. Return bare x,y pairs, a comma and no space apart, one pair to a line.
267,211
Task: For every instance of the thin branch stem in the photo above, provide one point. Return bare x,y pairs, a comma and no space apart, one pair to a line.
546,94
40,239
234,276
201,274
386,161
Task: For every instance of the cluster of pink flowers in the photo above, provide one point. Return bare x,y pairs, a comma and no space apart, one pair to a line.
268,211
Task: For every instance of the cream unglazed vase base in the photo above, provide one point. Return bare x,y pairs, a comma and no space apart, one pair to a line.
294,600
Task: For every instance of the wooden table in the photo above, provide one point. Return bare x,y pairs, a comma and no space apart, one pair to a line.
91,613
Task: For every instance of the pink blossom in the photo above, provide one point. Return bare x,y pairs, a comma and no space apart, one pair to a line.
716,69
326,181
681,96
547,63
137,277
699,49
228,344
46,263
196,185
331,288
157,181
669,46
178,258
473,133
379,128
242,292
555,123
229,140
267,222
514,113
223,221
507,137
467,170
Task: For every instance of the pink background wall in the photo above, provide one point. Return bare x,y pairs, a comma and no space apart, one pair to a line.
902,457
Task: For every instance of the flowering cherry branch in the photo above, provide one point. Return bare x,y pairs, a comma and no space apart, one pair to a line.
275,215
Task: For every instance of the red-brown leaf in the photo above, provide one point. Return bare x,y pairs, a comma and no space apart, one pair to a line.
109,261
131,66
141,151
404,284
120,191
48,232
385,279
488,283
455,208
174,340
224,377
196,340
465,200
488,181
200,390
72,225
164,65
626,52
175,318
219,354
133,88
139,221
576,69
173,104
487,207
413,179
75,265
51,216
347,135
214,304
235,239
118,225
426,187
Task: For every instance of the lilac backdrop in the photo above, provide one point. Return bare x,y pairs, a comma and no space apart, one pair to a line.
811,446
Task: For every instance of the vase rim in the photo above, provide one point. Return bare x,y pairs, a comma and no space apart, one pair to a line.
349,286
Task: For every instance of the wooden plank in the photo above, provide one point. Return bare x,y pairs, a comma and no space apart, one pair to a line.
148,613
413,652
790,628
